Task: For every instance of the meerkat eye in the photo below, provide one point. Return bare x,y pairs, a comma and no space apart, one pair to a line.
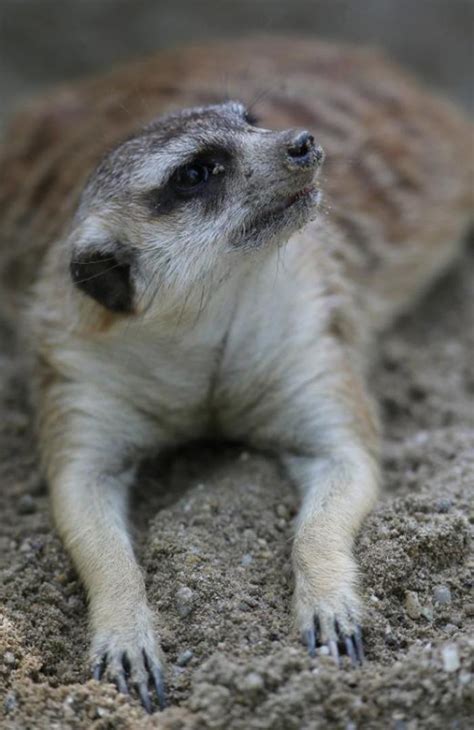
250,118
189,178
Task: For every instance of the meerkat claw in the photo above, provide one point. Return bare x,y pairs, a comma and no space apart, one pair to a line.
98,669
351,650
333,650
348,643
308,638
357,637
156,675
159,689
121,682
144,695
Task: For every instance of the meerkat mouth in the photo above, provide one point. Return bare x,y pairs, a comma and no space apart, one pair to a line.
305,198
301,194
291,213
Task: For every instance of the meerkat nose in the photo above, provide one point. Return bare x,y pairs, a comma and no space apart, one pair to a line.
301,152
301,147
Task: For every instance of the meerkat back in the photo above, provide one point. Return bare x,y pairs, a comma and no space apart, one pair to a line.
397,182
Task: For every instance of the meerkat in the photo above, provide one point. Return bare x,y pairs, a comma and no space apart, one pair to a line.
196,274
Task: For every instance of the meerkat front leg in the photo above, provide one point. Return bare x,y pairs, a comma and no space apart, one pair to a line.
85,440
338,487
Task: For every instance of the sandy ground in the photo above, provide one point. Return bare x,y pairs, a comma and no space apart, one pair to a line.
213,534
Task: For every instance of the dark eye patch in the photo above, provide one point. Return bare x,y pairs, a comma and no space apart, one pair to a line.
202,178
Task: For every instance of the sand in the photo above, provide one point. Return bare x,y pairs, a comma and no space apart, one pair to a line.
213,534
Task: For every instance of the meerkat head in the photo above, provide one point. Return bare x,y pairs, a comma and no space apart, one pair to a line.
177,206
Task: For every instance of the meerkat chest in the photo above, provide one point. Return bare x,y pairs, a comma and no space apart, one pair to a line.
232,367
243,360
169,380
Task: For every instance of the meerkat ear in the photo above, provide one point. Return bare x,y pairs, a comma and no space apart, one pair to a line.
104,273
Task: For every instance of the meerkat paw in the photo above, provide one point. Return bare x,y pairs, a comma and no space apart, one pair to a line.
130,658
326,607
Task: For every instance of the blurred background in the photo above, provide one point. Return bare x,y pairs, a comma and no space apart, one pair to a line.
43,42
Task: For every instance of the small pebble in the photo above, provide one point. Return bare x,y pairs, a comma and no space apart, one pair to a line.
26,505
9,658
25,546
469,609
412,604
246,560
184,601
184,658
450,656
421,438
10,703
400,725
450,628
442,595
101,712
427,612
443,505
252,682
282,511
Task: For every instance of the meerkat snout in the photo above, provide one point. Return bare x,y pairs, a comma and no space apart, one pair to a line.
301,151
